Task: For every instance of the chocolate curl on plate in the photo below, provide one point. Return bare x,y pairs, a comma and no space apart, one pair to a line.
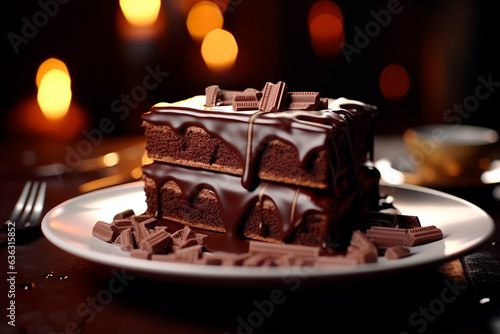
273,97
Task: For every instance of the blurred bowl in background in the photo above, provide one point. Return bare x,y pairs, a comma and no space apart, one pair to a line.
446,153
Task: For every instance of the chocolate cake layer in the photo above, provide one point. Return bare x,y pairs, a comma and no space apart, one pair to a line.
309,148
271,212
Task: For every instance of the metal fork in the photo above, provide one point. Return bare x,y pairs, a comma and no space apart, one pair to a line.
29,206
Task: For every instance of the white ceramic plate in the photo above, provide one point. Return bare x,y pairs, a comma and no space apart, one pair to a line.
69,227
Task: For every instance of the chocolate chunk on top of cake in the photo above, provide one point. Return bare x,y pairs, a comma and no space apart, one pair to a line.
271,165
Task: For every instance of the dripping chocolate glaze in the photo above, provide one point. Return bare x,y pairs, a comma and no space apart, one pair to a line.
307,131
293,203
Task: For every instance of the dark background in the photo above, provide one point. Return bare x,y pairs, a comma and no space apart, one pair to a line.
444,45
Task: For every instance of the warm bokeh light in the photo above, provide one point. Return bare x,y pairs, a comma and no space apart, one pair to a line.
394,82
111,159
326,29
54,94
325,7
219,50
51,112
204,17
49,65
141,13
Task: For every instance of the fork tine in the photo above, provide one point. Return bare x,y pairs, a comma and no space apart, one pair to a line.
18,208
28,206
38,207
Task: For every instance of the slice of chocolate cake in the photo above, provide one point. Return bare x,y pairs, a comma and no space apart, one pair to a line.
271,165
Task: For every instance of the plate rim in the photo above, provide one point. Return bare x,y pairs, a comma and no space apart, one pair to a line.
176,271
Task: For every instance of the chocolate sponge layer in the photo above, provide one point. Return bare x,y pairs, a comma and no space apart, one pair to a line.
194,147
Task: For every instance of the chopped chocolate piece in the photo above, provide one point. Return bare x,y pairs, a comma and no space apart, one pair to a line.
247,100
304,100
212,94
323,103
255,260
421,235
273,97
140,232
397,252
406,221
141,218
180,244
360,240
285,261
156,242
183,233
105,231
283,249
148,223
126,240
185,255
122,224
384,237
140,254
124,214
189,254
375,218
224,259
362,249
364,255
159,228
325,261
216,96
